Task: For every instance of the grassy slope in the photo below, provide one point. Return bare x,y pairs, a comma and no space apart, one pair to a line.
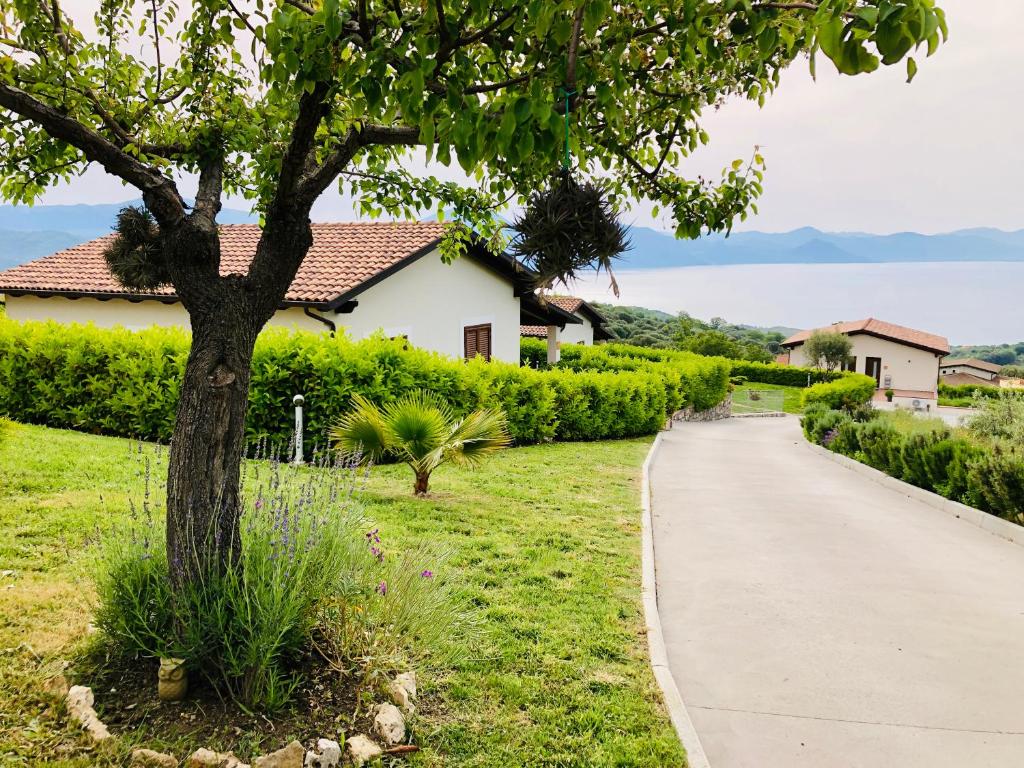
547,542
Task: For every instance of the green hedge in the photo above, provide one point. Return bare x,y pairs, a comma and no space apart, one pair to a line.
786,375
848,392
607,403
533,352
122,382
928,454
971,391
688,379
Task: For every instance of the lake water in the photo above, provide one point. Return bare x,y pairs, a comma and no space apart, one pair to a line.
970,303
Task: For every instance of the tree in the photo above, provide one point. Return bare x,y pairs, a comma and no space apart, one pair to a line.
422,431
280,100
828,349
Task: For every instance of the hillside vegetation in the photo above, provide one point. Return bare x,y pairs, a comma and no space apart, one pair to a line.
1000,354
650,328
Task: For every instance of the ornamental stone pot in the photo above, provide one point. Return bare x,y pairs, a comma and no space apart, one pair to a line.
172,680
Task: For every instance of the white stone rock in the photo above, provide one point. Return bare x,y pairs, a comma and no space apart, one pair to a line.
362,750
207,758
408,681
326,755
400,697
289,756
80,701
389,724
148,758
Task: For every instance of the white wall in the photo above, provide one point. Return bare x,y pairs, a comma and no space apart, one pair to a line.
578,334
981,373
432,302
908,367
130,314
428,301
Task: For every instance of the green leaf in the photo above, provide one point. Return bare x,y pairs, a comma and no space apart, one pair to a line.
911,68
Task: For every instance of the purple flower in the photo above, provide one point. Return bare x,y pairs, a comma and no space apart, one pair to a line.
259,503
382,588
428,574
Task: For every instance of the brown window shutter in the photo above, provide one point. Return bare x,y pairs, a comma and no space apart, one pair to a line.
477,341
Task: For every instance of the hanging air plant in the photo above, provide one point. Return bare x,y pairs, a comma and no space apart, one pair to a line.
566,228
135,257
569,226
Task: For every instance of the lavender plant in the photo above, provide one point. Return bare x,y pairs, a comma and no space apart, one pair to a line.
312,571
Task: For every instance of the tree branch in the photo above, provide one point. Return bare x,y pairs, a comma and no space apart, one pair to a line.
158,191
314,182
488,87
442,23
311,111
574,46
307,9
320,178
211,185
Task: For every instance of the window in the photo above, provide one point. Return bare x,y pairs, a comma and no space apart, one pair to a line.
476,340
850,364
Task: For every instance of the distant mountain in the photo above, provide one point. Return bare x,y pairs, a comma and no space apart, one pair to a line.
17,247
654,250
28,233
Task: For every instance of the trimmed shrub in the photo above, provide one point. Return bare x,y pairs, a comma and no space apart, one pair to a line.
848,392
689,379
820,421
881,446
969,392
596,405
787,375
533,353
126,383
987,474
916,458
996,478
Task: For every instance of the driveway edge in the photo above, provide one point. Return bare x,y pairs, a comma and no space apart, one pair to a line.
1004,529
695,757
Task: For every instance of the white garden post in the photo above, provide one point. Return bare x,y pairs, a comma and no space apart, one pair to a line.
298,400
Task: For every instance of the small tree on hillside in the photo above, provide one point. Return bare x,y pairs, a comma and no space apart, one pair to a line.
282,100
828,349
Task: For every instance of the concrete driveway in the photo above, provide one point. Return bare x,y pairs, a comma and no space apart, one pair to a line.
815,618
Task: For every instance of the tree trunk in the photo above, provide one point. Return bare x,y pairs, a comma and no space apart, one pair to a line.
203,500
204,504
422,483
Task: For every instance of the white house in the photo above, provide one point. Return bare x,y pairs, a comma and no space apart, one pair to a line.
970,370
588,328
360,277
898,358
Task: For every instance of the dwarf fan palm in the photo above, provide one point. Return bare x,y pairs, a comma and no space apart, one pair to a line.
423,431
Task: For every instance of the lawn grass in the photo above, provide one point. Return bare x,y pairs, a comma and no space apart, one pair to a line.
547,546
792,398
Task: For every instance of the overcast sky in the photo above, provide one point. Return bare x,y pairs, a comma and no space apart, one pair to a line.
868,153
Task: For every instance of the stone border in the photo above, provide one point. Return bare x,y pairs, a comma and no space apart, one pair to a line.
695,757
1004,529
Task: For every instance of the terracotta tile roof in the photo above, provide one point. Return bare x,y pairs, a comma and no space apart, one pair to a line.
568,303
342,257
873,327
960,379
539,331
973,362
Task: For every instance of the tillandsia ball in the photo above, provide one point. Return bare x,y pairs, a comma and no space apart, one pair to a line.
568,227
135,257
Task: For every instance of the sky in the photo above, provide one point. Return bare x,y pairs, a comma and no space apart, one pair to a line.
868,153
